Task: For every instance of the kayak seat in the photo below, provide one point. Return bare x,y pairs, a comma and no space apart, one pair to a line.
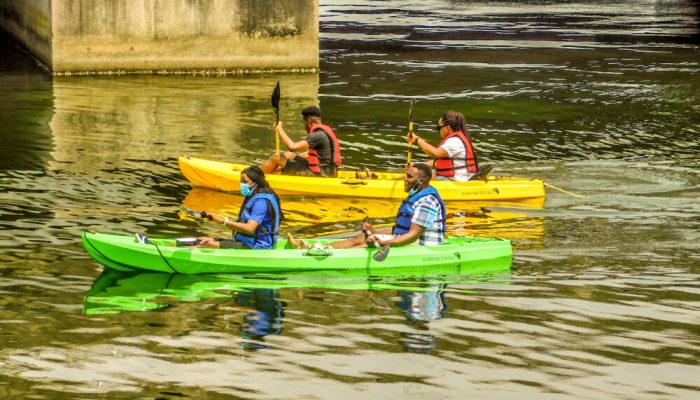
482,173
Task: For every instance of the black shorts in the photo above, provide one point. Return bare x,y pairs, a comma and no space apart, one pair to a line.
231,244
297,166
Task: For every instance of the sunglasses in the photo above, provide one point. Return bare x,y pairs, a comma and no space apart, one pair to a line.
438,127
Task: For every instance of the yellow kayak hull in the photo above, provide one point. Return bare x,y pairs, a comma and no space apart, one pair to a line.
226,177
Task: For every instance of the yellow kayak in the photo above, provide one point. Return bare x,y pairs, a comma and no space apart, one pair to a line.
226,177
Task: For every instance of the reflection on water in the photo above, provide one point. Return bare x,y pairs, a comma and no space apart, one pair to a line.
600,98
421,308
329,216
101,124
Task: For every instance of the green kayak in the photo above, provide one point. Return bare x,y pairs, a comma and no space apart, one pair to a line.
126,253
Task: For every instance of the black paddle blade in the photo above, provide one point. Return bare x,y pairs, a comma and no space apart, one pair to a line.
381,254
275,100
194,214
359,226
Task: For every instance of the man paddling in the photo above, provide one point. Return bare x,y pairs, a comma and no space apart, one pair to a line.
318,154
420,219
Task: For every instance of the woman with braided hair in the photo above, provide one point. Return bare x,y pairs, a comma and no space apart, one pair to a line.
258,223
454,158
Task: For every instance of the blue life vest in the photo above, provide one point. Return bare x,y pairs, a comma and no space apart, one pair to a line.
273,212
406,211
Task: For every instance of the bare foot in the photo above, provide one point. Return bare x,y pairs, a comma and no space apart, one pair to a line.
296,243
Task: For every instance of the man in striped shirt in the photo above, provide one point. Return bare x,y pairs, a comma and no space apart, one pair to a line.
421,215
420,220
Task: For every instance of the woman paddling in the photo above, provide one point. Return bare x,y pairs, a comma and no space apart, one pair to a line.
258,223
454,158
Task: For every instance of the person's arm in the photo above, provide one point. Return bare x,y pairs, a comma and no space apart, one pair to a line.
301,145
426,213
247,228
430,150
409,237
371,229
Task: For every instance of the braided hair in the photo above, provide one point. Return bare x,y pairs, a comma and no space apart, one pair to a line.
255,174
457,122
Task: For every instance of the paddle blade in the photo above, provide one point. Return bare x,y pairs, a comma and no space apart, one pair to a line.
359,227
194,214
275,100
382,253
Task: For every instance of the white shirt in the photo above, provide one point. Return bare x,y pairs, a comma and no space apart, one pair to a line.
458,153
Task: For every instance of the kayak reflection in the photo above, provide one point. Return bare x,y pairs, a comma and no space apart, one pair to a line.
258,298
334,215
117,291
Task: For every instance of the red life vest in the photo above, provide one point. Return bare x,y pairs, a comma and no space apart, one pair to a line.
445,166
314,164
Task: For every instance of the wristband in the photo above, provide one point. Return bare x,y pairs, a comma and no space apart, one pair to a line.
225,220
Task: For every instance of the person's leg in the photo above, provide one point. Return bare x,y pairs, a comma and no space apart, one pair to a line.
296,243
296,166
276,162
207,242
349,243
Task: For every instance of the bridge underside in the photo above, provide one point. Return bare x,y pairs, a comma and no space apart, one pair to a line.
173,36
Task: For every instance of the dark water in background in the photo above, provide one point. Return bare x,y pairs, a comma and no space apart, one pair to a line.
603,299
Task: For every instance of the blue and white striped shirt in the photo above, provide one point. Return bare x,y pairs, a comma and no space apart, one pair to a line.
428,214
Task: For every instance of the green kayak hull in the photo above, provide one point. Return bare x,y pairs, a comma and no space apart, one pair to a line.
125,253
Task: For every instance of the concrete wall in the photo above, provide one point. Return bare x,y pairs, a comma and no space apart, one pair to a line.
29,21
167,35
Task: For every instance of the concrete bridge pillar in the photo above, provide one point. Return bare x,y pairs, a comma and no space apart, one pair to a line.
202,36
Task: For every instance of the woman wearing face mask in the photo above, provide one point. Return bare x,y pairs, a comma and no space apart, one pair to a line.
257,226
420,220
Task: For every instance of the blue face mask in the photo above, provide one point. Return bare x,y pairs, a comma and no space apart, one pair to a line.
246,189
414,189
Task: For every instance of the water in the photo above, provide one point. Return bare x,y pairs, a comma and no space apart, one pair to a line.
602,300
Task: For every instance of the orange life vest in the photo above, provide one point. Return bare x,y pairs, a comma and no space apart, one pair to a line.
445,166
314,164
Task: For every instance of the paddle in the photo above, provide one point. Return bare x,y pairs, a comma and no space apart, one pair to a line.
410,130
196,214
383,252
275,100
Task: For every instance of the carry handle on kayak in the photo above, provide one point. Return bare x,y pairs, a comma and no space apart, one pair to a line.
318,252
353,181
